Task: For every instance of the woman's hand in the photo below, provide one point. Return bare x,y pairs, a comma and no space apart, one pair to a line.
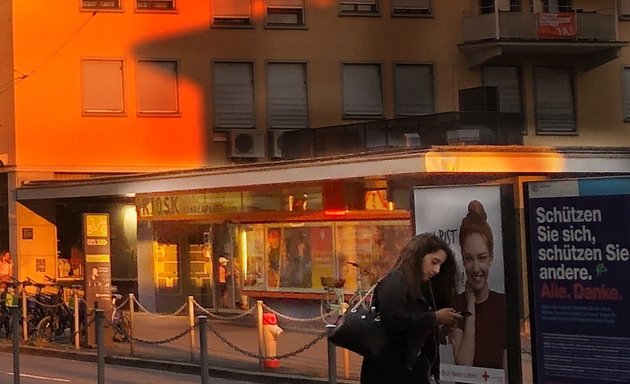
448,317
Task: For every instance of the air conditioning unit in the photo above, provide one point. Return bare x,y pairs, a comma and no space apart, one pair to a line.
276,142
246,143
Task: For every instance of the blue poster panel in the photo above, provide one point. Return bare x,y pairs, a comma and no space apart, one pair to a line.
579,252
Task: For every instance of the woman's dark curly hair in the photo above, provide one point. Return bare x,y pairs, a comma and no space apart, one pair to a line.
442,286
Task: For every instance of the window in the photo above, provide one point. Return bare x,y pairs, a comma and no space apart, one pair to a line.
411,7
486,6
232,12
358,6
555,108
233,95
157,86
624,9
155,4
507,80
102,86
100,4
626,93
555,6
362,90
413,89
287,101
285,12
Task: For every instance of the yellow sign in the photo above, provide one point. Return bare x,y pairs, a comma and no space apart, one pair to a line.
97,258
96,225
96,241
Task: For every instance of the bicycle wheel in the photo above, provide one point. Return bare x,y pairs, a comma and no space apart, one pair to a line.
45,330
330,307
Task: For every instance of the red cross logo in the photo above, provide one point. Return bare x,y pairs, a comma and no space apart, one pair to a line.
485,376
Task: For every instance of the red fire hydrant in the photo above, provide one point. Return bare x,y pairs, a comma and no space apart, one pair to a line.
271,331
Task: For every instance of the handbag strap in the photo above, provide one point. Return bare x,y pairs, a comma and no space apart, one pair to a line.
370,292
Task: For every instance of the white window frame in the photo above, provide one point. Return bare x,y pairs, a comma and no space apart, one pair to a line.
101,5
284,13
102,92
555,100
362,87
162,80
287,95
232,19
411,8
359,7
413,94
155,5
233,94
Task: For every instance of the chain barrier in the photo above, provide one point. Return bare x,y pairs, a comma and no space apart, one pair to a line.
220,317
45,305
258,356
153,342
297,319
121,305
176,313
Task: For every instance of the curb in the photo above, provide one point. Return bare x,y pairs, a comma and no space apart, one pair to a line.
175,366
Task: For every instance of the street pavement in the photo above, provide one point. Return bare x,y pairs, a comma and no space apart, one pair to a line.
232,345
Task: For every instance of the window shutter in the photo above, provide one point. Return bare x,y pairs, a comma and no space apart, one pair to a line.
157,86
287,95
362,90
102,86
414,89
507,80
286,3
412,4
232,8
554,100
233,95
626,93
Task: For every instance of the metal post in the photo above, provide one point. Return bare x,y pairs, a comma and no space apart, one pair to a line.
345,352
100,343
25,312
191,322
203,348
15,327
77,330
261,340
132,310
332,356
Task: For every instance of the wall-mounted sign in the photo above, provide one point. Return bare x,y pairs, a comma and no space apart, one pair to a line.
27,233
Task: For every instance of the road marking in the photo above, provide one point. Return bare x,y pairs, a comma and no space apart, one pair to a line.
39,377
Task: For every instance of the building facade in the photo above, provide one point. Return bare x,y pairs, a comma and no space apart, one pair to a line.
179,109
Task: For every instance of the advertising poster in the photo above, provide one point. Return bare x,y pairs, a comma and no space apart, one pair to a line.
579,252
469,219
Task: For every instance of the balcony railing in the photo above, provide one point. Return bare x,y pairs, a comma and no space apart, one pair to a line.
589,26
449,128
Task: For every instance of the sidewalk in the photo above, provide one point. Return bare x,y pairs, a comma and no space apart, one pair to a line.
307,366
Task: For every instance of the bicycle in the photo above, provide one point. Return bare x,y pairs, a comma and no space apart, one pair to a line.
333,299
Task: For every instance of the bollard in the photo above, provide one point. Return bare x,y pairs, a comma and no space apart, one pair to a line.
15,327
77,330
132,343
332,356
191,322
25,311
271,331
100,343
203,348
261,339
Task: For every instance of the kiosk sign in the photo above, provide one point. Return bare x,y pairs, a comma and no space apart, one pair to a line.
579,250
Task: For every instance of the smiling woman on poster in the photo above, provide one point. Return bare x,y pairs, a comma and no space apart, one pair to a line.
480,340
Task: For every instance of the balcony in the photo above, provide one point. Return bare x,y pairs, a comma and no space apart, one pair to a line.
581,39
419,132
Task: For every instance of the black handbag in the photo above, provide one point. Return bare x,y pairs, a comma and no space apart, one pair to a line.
360,330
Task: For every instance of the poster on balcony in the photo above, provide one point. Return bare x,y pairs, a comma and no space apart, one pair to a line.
579,253
556,25
468,218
